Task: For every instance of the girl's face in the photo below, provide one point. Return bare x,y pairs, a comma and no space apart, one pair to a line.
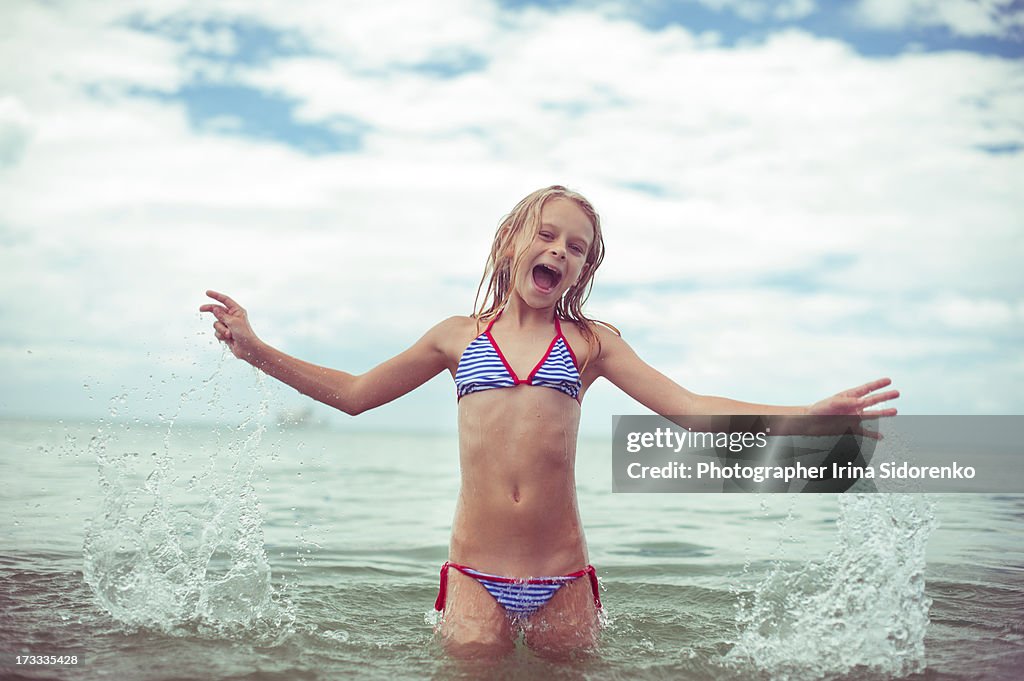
555,258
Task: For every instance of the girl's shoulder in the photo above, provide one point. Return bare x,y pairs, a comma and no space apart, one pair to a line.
455,333
590,330
589,338
454,324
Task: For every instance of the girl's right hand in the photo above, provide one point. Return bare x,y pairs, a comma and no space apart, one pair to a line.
232,326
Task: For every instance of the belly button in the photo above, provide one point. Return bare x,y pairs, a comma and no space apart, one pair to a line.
515,494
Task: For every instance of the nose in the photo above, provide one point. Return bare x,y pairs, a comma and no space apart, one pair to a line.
558,249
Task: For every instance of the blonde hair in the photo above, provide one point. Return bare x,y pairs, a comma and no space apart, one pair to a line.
514,234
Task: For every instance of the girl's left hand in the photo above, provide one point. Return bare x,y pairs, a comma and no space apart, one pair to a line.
857,401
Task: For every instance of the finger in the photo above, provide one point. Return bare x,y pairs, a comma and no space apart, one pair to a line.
870,387
219,312
222,330
223,298
878,414
210,307
881,397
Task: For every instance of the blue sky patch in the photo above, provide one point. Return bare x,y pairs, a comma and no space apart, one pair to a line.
234,109
248,112
828,20
649,188
1005,149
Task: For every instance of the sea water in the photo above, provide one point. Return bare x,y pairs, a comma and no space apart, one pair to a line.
167,550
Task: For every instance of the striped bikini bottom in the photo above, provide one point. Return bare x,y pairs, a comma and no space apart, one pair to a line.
520,597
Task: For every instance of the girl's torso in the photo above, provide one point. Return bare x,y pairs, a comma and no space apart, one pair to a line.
518,424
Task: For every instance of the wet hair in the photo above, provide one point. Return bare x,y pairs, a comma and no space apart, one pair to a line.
515,233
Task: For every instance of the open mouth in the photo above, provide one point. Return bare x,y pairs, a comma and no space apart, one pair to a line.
546,278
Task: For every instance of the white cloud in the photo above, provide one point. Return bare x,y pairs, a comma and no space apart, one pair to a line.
794,9
968,18
758,10
15,130
978,314
363,34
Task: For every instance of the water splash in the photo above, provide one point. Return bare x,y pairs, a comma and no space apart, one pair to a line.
186,558
862,609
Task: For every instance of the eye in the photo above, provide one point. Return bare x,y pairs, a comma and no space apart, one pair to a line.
547,236
578,249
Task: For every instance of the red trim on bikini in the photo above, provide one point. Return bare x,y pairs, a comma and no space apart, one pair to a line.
575,362
501,356
544,358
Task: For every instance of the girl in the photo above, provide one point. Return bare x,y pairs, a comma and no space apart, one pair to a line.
521,364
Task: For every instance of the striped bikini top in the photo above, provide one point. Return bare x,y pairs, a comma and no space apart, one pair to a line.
483,367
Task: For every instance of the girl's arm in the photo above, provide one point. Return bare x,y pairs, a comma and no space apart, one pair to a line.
350,393
648,386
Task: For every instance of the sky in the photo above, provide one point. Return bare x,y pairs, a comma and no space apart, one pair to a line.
797,196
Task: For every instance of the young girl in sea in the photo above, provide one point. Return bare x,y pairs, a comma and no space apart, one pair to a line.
521,364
